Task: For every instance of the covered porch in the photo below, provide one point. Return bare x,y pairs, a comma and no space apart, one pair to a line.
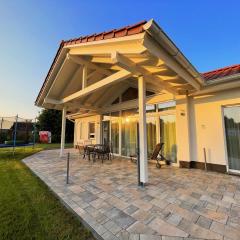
90,74
176,204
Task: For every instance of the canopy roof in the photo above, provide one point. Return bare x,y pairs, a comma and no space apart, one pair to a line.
91,71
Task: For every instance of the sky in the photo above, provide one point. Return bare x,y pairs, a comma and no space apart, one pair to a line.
206,31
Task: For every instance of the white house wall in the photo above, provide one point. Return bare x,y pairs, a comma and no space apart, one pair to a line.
207,125
78,134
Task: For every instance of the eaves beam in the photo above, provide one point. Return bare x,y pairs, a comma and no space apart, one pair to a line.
159,52
72,104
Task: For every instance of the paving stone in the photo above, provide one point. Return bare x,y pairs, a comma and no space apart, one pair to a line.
216,216
226,231
189,215
164,228
87,196
140,228
142,204
195,195
187,205
117,202
174,219
113,212
161,203
142,216
172,238
150,237
131,209
147,198
134,237
211,206
217,196
108,236
196,231
124,235
123,220
112,227
204,222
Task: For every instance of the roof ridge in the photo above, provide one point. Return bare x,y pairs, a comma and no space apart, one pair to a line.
102,34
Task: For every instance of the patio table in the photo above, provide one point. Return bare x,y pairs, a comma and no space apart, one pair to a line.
96,149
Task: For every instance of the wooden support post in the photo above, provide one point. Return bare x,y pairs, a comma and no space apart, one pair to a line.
84,77
142,131
63,131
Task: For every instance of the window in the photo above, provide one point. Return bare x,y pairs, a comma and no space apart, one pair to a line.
91,130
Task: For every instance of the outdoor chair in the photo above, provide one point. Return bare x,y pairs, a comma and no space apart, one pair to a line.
81,146
103,152
156,155
89,150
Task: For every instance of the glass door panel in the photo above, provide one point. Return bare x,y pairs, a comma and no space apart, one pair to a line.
168,136
105,132
151,135
232,132
115,136
129,137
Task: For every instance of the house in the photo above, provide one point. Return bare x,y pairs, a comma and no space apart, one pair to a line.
110,83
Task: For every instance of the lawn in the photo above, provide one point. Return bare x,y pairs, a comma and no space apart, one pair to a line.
28,209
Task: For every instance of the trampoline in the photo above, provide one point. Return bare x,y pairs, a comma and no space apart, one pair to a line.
17,132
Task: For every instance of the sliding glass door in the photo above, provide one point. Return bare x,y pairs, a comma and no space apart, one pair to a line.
168,136
115,132
129,137
232,132
151,135
105,132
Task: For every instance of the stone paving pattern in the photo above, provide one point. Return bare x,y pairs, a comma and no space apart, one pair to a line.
176,204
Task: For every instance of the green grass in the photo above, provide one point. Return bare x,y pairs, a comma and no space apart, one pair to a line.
28,209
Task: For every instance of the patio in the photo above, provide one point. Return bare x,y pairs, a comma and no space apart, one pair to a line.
176,204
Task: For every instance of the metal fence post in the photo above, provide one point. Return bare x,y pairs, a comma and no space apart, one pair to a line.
34,132
1,137
205,158
15,135
68,157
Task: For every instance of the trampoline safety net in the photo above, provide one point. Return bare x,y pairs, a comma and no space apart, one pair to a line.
16,131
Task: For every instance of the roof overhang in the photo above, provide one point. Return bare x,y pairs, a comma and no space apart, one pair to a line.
109,66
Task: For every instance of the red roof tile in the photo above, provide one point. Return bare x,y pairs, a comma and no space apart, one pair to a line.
221,72
115,33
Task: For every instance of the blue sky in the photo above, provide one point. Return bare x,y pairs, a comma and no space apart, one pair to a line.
207,32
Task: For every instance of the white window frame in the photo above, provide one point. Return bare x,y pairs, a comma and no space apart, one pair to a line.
93,134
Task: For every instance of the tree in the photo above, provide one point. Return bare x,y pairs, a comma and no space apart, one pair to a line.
51,120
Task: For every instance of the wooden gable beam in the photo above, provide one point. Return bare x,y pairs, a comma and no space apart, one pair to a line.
114,78
82,61
130,66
